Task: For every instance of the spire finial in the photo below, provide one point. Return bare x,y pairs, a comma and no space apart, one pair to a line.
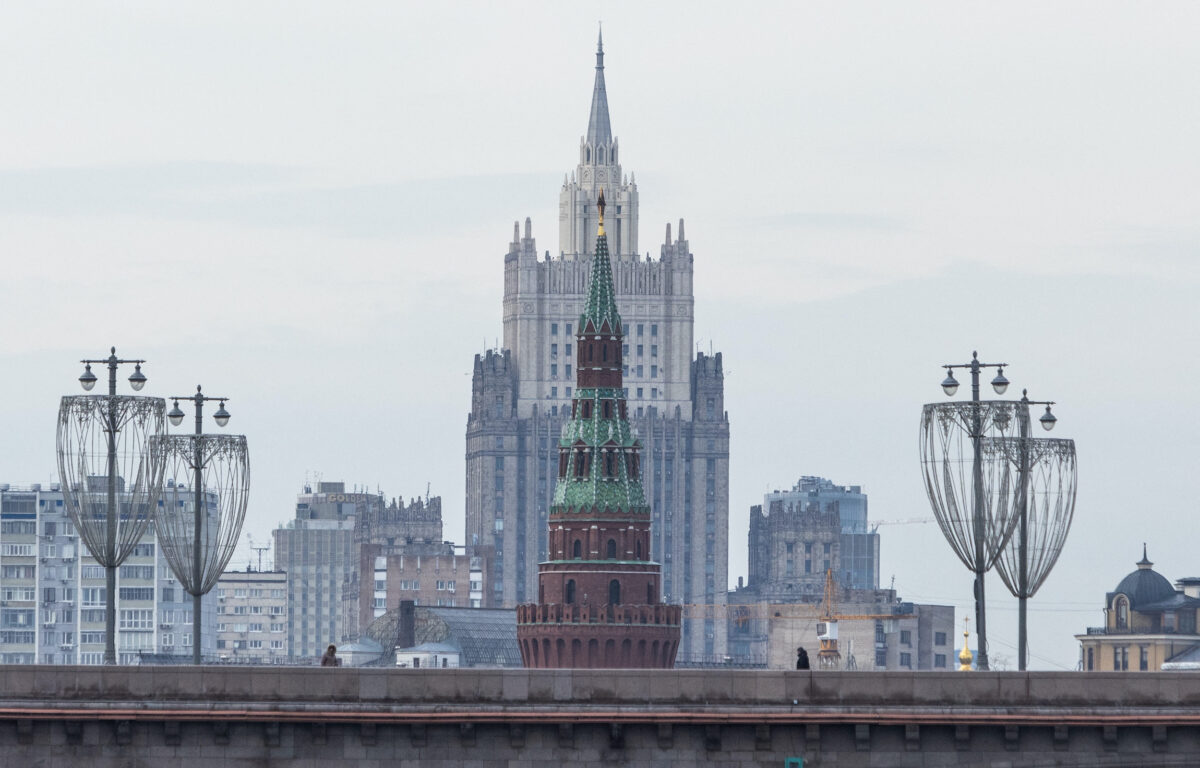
600,38
600,208
599,133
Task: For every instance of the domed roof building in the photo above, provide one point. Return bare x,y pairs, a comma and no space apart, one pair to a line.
1148,622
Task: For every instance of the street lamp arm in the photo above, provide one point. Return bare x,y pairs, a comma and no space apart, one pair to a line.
976,364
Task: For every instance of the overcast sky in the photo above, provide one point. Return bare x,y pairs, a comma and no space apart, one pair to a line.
305,207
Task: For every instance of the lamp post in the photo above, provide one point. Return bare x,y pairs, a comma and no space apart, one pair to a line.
199,546
105,445
1046,480
979,525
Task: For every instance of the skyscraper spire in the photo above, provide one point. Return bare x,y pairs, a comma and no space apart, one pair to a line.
599,129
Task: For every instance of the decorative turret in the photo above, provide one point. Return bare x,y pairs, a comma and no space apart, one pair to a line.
965,657
590,610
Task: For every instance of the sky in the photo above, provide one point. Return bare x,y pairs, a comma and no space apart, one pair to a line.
305,207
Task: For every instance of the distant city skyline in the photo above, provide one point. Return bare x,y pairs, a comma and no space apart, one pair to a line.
304,209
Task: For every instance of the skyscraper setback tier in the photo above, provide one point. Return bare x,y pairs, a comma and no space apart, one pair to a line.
599,595
521,396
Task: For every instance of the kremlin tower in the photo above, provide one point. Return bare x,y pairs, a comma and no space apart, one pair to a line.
599,594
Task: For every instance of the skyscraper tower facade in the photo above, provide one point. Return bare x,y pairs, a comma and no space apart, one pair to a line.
522,395
599,593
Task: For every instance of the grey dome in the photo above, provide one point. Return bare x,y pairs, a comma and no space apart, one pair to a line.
1145,585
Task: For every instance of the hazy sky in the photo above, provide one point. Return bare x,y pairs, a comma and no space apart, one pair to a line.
305,207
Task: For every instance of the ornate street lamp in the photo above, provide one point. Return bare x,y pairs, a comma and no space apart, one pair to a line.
971,505
1044,505
111,477
198,529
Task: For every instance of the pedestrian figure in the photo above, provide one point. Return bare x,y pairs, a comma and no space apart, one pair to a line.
801,658
330,658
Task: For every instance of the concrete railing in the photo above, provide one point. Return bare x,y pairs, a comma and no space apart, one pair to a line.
640,691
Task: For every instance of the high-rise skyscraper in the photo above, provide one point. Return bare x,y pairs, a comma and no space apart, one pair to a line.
521,395
599,593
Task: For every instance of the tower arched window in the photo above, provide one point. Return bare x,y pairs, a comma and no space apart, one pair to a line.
608,409
600,155
610,464
563,459
639,549
610,551
587,409
649,594
579,463
587,155
570,596
577,549
614,592
591,351
604,353
1122,607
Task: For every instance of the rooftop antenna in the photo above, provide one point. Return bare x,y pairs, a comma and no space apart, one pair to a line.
428,485
259,550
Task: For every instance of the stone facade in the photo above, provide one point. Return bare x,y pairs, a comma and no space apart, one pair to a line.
521,395
220,716
813,527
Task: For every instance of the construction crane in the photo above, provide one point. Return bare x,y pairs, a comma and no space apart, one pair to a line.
825,613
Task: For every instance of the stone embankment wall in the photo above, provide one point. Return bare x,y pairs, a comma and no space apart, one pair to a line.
260,716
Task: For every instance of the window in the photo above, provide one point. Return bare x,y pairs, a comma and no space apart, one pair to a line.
570,597
554,370
553,391
614,589
1122,612
906,660
654,371
639,394
654,329
568,374
137,619
168,594
17,550
639,350
554,329
567,351
611,552
639,329
143,572
1143,658
568,388
93,595
906,637
577,550
939,661
939,638
553,351
568,329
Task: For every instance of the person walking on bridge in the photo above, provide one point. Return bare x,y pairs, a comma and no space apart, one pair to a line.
330,658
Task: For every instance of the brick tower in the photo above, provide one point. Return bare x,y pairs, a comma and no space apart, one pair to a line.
598,594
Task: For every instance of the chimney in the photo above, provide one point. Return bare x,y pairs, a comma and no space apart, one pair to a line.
407,636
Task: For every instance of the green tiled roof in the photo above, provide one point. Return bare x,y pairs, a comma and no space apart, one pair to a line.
601,299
